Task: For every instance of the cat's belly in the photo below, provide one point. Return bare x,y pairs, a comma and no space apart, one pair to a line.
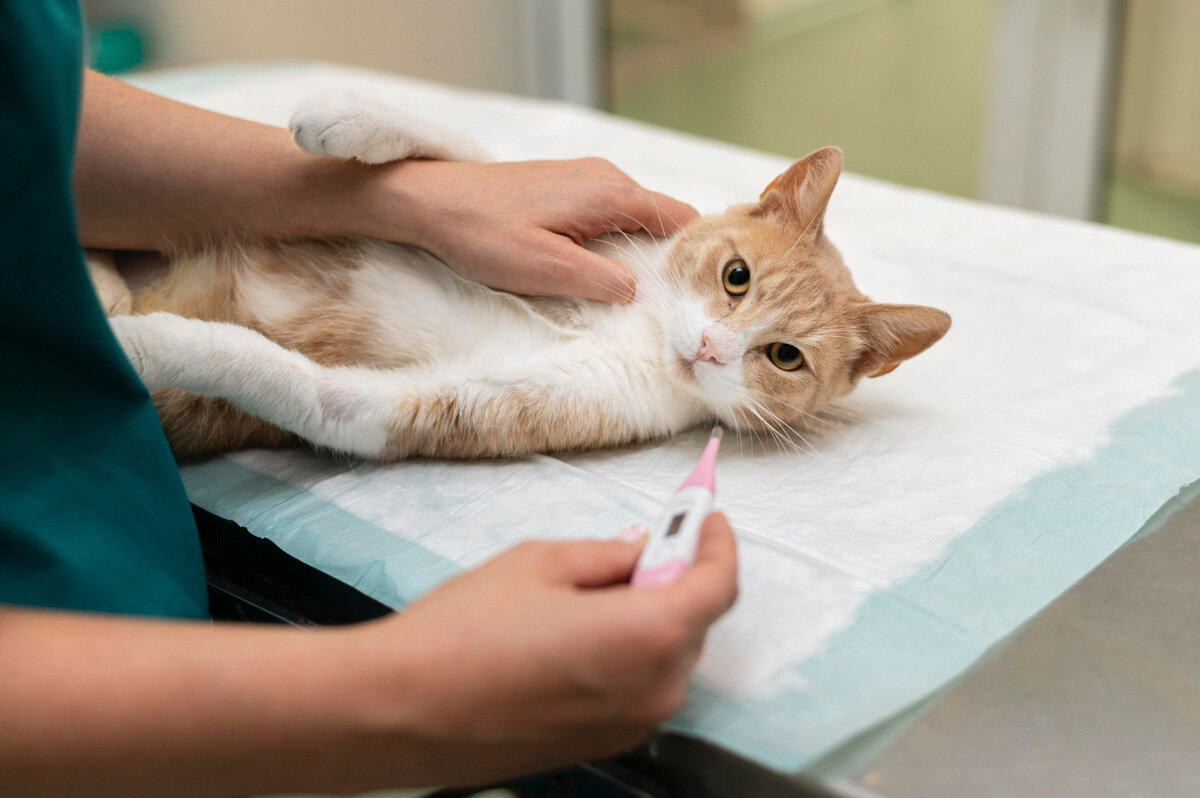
401,308
423,312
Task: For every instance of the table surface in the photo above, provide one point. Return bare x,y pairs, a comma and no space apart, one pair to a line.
1099,694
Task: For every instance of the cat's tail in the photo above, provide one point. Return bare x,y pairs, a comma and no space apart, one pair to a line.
349,125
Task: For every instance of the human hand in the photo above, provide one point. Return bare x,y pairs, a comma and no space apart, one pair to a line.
520,226
545,656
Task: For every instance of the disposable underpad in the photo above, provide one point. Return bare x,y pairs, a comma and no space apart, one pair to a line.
933,512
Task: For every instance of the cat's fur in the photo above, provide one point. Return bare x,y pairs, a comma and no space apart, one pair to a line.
381,351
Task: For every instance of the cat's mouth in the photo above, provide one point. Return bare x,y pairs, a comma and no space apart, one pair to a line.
687,368
695,370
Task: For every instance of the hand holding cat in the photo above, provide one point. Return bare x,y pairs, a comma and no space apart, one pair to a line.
151,173
520,226
544,656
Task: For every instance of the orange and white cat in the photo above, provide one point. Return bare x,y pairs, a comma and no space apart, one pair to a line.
379,350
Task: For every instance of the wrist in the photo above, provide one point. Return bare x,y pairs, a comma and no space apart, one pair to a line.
395,203
383,707
327,198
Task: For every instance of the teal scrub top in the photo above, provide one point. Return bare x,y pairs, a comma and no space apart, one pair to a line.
93,515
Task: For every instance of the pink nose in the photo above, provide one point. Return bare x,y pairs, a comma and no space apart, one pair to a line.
707,352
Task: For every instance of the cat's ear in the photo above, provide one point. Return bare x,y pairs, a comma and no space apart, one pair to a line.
894,333
802,192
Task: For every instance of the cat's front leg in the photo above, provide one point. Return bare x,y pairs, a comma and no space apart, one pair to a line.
566,402
277,385
349,125
573,398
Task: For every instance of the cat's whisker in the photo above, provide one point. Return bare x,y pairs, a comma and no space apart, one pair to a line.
782,435
801,410
791,429
848,416
758,442
658,212
639,255
648,274
767,426
637,222
743,423
783,427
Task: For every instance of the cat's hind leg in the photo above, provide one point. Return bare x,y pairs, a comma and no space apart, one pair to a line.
202,426
349,125
280,387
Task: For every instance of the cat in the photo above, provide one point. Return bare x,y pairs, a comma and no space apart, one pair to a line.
380,351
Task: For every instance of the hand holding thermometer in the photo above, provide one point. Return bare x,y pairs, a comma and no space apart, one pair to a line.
671,547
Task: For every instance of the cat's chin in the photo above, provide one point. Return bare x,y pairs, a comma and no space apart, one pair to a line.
691,374
683,369
699,385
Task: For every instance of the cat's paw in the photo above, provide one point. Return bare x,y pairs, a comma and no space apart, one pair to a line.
350,126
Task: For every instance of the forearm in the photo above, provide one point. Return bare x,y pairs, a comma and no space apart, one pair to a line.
121,707
150,172
541,657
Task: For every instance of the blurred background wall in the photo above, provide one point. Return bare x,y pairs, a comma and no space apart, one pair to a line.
901,86
472,43
916,91
1155,176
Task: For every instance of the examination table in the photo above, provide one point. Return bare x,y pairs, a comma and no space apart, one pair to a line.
907,623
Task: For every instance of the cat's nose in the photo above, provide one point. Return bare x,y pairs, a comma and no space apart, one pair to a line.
707,351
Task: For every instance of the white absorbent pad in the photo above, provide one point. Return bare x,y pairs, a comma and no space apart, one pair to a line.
935,510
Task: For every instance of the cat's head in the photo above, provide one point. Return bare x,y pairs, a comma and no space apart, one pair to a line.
765,324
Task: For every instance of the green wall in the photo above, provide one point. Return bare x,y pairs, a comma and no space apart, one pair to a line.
899,84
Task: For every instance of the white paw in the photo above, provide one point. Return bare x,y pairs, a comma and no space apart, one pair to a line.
127,331
350,126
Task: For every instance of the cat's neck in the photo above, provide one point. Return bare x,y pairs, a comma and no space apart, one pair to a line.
644,255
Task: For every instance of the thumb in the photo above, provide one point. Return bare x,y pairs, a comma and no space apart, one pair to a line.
708,589
596,563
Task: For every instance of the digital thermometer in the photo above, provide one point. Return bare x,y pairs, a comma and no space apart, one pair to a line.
671,547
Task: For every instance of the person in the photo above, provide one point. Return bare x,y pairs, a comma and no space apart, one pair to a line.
111,680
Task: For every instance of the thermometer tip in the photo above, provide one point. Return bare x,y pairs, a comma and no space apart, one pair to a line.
717,431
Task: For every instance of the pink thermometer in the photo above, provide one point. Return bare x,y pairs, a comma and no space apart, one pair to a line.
671,547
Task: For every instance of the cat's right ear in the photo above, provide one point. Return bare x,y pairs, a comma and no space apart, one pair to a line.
892,334
801,193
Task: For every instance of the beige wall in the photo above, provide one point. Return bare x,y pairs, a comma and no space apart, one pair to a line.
472,43
1158,103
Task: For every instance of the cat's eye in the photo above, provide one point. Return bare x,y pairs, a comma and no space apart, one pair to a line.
785,356
736,277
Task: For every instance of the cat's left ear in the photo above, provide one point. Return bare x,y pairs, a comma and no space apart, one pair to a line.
894,333
802,192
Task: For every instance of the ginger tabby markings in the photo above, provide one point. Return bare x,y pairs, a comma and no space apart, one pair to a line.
381,351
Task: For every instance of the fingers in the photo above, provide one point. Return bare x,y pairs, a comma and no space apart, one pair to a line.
708,589
586,563
657,213
632,207
571,270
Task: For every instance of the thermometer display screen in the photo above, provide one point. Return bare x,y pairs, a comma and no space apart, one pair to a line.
676,522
